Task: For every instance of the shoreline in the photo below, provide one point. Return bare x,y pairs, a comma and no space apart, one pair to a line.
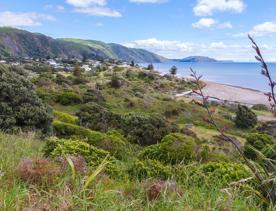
227,93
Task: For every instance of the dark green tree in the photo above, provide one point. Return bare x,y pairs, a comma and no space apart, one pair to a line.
173,70
20,107
132,64
245,118
150,67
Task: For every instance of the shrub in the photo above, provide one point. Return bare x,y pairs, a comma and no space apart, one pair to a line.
66,130
212,173
257,141
20,107
96,117
260,107
142,169
145,129
115,82
62,80
93,95
112,142
64,117
269,151
245,118
174,148
92,155
68,98
38,171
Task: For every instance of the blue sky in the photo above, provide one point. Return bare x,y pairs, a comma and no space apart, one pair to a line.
172,28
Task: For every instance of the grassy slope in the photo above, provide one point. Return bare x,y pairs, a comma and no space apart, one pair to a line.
119,193
104,194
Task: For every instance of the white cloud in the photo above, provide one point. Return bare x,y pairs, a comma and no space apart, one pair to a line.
59,8
204,23
86,3
93,8
148,1
208,7
99,11
219,50
13,19
226,25
260,30
210,22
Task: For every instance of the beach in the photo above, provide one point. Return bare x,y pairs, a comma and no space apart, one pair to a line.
234,94
230,94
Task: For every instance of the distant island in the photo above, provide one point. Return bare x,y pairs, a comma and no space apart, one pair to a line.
196,59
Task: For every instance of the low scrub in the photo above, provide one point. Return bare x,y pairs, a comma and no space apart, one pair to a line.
142,169
174,148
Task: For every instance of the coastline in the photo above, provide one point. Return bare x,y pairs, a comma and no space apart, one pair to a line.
231,94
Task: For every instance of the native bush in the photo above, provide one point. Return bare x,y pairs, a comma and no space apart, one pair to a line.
96,117
68,98
256,142
142,169
145,129
113,141
65,117
260,107
91,154
20,107
212,173
66,130
245,118
93,95
174,148
116,81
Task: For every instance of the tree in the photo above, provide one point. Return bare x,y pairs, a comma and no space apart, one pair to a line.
173,70
245,118
150,67
77,71
20,107
132,64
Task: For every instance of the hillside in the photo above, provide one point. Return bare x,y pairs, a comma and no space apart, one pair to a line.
119,130
20,43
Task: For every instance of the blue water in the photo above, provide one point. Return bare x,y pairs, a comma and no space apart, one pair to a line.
238,74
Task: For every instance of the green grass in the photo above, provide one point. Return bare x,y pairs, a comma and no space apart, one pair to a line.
105,193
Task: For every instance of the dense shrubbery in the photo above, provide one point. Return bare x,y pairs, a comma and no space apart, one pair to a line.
245,118
255,143
174,148
145,129
65,117
20,107
112,142
260,107
68,98
213,173
92,155
137,127
142,169
98,118
93,95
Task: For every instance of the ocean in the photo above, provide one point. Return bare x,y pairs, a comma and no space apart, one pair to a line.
245,75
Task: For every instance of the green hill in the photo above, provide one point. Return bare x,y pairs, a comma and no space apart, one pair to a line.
21,43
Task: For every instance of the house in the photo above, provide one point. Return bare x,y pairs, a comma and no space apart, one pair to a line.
86,67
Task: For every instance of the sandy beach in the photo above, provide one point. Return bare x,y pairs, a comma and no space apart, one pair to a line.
231,94
235,94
